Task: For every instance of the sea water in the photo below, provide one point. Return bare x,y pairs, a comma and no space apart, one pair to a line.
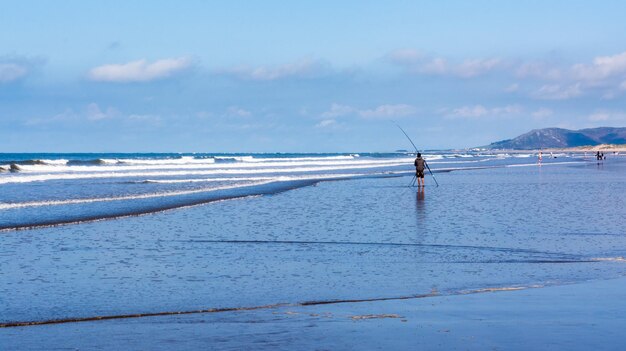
87,235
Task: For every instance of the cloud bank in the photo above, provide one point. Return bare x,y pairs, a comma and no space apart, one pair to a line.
415,62
604,76
480,111
306,68
11,71
139,71
603,67
16,67
380,112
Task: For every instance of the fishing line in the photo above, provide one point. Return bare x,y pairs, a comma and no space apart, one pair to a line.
425,163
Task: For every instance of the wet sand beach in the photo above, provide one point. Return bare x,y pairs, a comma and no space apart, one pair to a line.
581,316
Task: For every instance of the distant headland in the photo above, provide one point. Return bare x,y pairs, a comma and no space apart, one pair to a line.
602,138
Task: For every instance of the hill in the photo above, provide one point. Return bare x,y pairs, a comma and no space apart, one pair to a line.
563,138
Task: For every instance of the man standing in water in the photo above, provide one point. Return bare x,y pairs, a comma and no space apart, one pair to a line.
420,163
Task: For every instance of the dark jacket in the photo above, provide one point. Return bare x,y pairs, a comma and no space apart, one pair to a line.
419,164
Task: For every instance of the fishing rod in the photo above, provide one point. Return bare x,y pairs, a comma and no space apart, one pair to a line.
417,151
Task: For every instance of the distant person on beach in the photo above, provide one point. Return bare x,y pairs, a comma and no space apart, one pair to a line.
598,157
540,158
420,163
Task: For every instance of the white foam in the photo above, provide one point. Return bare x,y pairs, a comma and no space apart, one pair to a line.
445,161
238,179
61,162
609,259
250,182
201,165
433,157
238,158
285,159
173,161
8,206
459,156
224,169
202,180
109,160
544,164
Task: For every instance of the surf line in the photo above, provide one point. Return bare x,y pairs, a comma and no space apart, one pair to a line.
433,293
241,192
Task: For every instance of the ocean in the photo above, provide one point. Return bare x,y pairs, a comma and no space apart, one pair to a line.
48,189
109,235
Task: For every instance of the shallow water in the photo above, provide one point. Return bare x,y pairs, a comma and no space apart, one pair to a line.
358,238
44,189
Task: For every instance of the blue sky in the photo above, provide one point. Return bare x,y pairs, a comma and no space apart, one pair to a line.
306,76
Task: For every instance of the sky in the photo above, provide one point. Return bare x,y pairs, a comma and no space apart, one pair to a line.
303,76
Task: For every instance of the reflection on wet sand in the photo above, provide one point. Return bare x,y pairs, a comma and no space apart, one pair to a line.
420,203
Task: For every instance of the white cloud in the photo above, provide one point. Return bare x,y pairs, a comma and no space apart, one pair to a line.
338,110
326,123
506,110
405,56
69,115
512,88
204,114
306,68
238,111
94,113
603,67
604,74
11,71
473,68
542,113
414,62
469,111
607,116
139,71
538,70
154,120
598,117
558,92
435,66
480,111
388,111
379,112
609,95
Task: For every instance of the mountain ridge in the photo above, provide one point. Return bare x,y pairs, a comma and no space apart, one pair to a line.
563,138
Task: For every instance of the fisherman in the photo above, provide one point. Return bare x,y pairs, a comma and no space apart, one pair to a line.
419,163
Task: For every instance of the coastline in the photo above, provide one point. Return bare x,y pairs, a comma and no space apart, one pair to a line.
577,149
602,147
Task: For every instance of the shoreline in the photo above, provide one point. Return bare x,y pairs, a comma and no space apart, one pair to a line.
577,149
